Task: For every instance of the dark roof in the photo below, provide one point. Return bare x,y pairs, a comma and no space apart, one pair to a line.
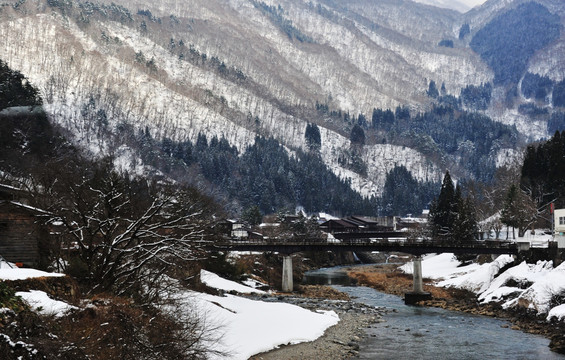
339,223
365,220
25,207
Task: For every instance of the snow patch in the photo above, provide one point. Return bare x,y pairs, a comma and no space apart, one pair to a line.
22,274
214,281
41,303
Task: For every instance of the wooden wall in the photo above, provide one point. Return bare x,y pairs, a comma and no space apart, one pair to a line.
19,234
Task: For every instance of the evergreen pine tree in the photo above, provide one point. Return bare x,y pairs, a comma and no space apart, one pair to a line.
464,31
432,90
313,137
252,216
357,135
443,210
15,89
465,224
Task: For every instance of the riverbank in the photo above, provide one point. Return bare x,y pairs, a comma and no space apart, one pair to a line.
387,278
340,341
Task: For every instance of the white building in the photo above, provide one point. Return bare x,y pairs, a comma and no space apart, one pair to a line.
559,227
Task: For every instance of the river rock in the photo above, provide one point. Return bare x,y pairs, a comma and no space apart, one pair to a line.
353,345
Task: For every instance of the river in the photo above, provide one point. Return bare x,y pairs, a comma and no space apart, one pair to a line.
413,332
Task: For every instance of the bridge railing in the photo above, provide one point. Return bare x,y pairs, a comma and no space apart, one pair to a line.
360,242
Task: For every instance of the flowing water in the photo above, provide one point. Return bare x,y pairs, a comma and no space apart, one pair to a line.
413,332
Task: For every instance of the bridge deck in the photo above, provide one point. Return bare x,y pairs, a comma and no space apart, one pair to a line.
388,244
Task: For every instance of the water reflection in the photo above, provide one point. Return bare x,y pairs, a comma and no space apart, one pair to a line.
328,276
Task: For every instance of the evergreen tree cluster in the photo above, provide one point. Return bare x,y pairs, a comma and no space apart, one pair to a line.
446,43
452,217
532,110
432,92
357,135
264,175
15,89
88,9
26,136
476,97
543,171
313,137
541,89
558,97
383,119
472,138
464,31
508,41
345,116
276,14
556,122
403,194
536,86
472,97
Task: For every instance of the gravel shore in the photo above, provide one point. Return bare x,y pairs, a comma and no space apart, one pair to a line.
340,341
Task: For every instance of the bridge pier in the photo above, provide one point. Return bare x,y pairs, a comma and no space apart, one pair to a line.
287,285
417,293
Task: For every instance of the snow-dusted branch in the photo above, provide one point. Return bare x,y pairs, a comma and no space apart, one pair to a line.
123,230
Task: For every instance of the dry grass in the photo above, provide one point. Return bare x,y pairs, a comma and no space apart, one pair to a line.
322,292
392,281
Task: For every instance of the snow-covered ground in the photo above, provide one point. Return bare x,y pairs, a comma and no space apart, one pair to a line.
15,273
250,327
535,286
244,327
41,303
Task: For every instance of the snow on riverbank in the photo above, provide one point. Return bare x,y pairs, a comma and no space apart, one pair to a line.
535,286
249,327
216,282
244,327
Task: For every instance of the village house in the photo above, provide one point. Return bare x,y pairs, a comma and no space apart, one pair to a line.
559,227
359,224
238,230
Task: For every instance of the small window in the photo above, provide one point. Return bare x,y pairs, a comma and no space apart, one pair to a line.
562,220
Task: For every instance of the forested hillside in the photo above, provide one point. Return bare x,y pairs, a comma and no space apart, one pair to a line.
280,89
508,42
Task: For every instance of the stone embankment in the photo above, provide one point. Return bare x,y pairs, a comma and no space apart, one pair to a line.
340,341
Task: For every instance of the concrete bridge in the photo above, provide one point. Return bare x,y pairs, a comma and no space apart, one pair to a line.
391,241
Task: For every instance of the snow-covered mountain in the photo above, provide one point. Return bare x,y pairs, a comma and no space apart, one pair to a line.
460,5
239,68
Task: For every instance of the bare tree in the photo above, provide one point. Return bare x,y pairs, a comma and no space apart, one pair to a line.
124,234
519,211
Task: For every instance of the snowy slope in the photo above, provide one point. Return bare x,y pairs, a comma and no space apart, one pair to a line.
459,5
183,99
362,56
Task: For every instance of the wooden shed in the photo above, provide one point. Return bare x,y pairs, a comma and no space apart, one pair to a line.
21,236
